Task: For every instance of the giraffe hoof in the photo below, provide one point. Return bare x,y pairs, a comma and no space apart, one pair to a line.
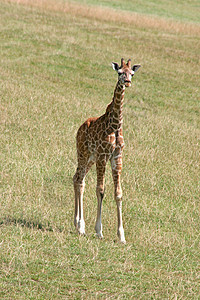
121,236
98,229
81,232
123,241
99,235
81,227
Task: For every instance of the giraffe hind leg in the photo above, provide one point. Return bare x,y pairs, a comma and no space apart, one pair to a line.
79,185
100,190
98,225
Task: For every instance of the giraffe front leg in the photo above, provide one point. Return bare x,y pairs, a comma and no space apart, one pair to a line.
100,189
116,164
120,231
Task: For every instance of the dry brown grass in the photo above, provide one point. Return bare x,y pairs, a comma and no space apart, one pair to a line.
108,14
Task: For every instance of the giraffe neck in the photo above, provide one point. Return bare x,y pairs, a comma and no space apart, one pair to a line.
115,108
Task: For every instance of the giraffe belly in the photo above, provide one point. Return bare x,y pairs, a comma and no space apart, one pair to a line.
108,147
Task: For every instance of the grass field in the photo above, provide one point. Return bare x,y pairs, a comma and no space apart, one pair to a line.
177,10
55,72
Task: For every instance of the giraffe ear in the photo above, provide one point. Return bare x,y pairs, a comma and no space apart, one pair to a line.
136,67
115,66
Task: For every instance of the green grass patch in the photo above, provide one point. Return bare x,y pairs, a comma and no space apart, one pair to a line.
184,11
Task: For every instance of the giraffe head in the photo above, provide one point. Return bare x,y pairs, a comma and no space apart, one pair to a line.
125,72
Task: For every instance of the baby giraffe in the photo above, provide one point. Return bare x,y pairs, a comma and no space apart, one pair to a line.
99,140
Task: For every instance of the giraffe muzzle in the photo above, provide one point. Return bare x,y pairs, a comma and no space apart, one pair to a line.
127,83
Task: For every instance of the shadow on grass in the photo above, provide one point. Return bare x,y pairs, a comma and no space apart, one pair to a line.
32,224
